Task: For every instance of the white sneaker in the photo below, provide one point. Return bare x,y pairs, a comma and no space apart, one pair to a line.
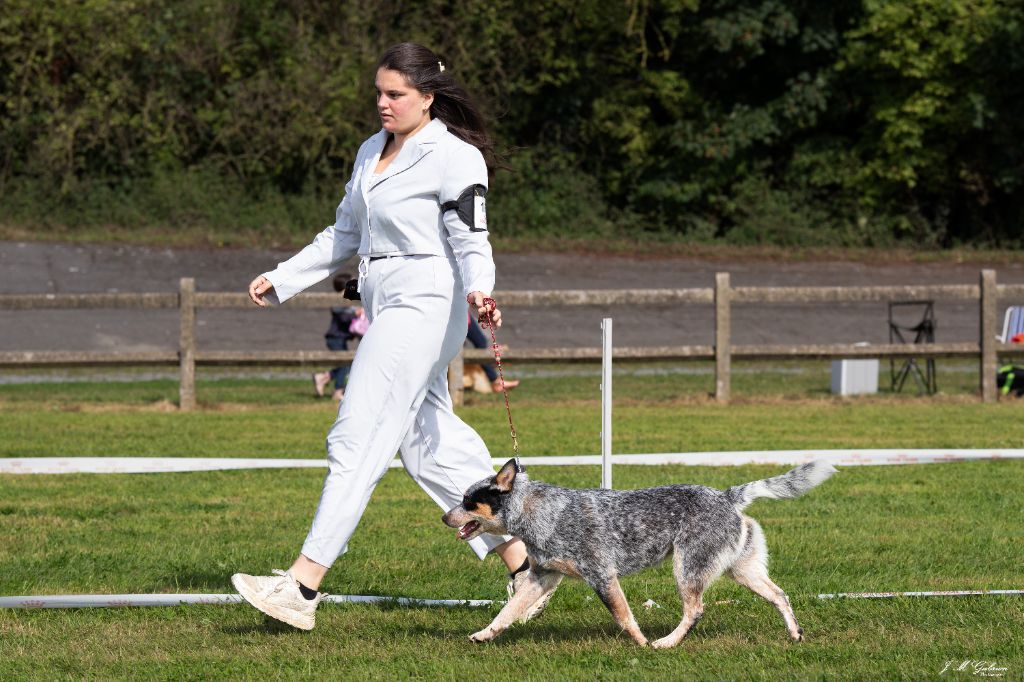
279,597
514,583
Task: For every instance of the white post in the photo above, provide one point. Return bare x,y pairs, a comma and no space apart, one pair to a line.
606,403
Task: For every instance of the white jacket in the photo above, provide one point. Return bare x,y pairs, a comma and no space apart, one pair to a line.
399,213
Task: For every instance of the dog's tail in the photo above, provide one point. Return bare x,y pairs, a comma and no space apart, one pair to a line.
791,484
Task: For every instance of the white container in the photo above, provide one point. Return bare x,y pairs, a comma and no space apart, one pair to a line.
854,377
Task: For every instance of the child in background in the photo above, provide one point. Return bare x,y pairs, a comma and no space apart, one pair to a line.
479,340
347,323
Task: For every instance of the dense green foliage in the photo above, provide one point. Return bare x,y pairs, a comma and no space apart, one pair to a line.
755,121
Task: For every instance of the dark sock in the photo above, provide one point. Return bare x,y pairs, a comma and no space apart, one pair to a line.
307,593
524,567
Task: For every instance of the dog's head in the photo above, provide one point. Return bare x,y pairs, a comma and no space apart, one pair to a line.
483,505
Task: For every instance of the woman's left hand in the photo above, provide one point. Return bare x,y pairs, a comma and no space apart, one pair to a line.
476,299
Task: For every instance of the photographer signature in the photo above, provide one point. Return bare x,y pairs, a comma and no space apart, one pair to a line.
982,668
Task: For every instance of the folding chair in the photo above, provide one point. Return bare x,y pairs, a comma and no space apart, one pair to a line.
924,332
1013,323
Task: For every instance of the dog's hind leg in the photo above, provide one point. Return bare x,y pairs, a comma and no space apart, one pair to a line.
610,592
691,585
539,584
751,571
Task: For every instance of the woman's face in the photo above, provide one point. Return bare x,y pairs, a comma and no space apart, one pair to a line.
403,109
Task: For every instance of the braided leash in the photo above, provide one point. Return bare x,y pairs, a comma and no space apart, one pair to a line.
491,305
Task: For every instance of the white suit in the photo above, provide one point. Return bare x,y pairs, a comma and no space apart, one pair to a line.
416,267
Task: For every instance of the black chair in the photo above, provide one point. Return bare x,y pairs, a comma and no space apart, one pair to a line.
921,331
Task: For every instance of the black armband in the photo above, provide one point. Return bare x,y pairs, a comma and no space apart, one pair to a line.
470,207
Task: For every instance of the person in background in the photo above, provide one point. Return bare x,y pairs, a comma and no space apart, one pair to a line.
348,323
477,337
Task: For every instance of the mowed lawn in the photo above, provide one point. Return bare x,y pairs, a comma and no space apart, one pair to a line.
907,528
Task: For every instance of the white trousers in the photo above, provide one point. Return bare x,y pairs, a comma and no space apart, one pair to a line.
397,399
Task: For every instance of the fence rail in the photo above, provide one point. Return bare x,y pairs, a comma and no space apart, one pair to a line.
722,296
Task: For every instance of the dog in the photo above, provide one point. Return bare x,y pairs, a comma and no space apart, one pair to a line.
600,535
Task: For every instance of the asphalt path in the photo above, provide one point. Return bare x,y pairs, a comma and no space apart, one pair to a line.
37,267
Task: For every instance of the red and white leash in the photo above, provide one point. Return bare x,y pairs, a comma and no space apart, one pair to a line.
490,305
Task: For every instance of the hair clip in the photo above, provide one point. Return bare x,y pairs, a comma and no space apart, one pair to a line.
440,65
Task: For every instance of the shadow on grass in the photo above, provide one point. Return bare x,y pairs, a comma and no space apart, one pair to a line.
266,626
193,581
530,633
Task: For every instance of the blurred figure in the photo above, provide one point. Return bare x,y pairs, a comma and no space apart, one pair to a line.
348,323
477,337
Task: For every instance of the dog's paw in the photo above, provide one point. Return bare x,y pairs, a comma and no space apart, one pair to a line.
484,635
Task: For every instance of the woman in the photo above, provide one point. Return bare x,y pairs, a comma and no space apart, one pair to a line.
413,211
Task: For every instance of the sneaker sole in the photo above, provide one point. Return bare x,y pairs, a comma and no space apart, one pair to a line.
274,612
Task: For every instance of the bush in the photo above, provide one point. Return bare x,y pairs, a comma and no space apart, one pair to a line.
754,121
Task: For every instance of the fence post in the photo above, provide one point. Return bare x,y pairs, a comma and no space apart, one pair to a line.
455,388
187,344
988,305
723,344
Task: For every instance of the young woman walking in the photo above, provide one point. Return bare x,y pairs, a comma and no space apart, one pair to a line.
414,213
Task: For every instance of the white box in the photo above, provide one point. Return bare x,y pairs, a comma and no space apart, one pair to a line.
854,377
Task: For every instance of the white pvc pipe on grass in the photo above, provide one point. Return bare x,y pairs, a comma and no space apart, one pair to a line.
78,601
892,595
138,465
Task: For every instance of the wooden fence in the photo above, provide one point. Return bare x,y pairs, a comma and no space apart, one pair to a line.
187,356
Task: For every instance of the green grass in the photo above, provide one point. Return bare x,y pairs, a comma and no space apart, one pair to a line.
908,528
953,526
554,414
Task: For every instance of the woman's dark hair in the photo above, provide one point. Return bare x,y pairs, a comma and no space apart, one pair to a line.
426,71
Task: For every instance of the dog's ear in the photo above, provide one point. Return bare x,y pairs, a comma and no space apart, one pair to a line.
506,477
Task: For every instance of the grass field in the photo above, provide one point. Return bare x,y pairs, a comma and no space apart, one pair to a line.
937,527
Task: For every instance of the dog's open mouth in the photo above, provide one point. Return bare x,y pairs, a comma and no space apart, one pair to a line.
468,529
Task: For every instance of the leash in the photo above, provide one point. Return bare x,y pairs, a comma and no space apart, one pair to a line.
497,360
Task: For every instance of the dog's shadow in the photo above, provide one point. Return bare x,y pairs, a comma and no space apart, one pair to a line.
543,632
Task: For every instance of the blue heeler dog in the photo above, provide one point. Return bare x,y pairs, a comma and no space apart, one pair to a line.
599,535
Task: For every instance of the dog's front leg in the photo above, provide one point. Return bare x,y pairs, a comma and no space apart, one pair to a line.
614,598
538,585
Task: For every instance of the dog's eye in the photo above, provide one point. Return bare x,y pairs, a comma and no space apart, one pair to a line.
468,504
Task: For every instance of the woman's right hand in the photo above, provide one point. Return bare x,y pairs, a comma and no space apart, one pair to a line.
258,288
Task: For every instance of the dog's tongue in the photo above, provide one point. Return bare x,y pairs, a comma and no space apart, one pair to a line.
468,529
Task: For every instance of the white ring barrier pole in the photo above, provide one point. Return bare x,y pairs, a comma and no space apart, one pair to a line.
893,595
142,465
78,601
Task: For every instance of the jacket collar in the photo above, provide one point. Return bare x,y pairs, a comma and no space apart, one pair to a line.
414,149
